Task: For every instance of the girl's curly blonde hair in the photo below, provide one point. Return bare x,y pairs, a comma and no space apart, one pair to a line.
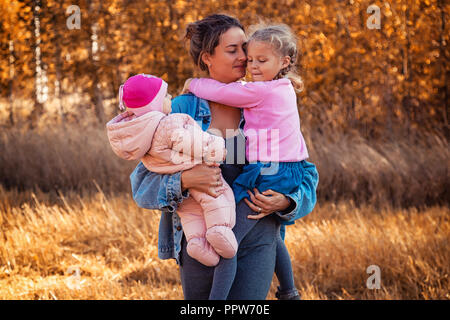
284,42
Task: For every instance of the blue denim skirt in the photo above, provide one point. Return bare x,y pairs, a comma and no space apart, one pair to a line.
282,177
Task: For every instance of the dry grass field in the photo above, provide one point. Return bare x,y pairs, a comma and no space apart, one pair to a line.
69,228
104,247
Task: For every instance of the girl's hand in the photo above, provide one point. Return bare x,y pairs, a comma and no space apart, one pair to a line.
204,178
186,86
266,203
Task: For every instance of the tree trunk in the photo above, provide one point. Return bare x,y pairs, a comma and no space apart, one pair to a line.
11,102
58,63
95,90
442,46
389,104
38,108
407,74
10,81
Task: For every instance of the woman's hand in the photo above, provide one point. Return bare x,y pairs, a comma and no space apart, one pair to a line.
266,203
186,86
204,178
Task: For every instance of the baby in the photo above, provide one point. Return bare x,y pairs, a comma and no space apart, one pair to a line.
167,143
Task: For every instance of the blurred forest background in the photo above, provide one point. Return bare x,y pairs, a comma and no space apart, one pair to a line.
374,110
374,114
373,80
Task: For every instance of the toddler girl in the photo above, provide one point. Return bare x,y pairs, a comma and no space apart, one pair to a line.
275,147
170,143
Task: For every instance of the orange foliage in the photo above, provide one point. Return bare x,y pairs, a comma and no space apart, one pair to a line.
355,77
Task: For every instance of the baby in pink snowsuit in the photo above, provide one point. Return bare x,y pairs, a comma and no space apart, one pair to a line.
168,143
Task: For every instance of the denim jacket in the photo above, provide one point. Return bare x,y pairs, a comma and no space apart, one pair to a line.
163,191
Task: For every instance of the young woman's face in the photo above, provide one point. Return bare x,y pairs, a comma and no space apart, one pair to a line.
263,62
228,62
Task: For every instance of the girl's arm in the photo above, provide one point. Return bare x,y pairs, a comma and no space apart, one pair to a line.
235,94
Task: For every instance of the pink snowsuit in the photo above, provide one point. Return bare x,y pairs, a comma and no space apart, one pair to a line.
170,143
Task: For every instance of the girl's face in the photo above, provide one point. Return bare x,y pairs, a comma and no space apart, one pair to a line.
228,62
263,63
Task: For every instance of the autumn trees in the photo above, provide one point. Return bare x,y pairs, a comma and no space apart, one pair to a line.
356,78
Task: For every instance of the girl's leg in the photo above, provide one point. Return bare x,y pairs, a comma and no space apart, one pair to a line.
196,278
225,271
283,270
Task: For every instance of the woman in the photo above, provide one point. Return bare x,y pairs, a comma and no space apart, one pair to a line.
217,47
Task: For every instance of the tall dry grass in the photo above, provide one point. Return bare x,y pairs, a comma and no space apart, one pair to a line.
383,203
61,158
113,244
404,172
110,241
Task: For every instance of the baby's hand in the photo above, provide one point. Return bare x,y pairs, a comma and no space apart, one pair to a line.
215,156
186,86
214,150
211,157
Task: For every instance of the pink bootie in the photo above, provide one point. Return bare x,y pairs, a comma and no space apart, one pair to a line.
223,240
201,250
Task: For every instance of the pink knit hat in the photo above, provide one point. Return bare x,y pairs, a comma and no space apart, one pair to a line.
142,93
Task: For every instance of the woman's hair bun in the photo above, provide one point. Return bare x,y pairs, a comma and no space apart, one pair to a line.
191,29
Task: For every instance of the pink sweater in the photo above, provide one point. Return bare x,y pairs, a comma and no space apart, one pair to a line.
272,123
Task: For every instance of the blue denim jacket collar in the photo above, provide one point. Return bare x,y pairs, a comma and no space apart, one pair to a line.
196,107
203,109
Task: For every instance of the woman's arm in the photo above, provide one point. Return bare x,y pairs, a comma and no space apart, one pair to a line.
156,191
306,197
204,178
166,191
